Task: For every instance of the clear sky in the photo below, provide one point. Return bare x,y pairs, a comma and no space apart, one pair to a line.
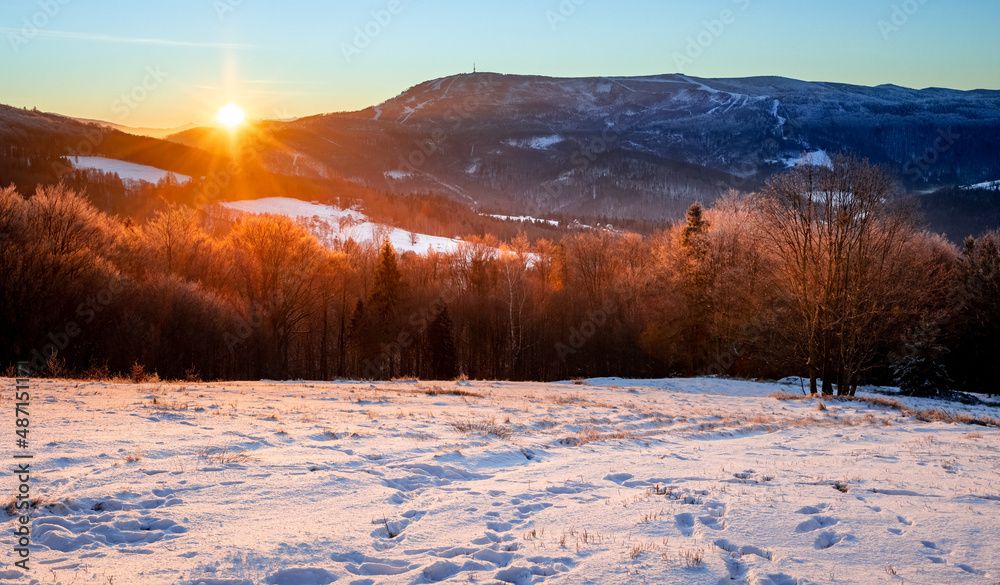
163,63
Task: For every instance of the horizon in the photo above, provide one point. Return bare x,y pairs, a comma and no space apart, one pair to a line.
194,124
187,59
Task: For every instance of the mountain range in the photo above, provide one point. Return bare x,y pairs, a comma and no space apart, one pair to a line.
629,147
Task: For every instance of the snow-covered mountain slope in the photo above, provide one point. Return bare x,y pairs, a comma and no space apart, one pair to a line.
126,170
673,482
334,226
642,146
986,185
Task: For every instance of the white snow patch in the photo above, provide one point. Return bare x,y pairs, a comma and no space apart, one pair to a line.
523,218
334,226
126,171
986,185
537,142
818,158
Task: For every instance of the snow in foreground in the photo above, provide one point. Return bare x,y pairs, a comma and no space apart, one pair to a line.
126,171
674,481
333,225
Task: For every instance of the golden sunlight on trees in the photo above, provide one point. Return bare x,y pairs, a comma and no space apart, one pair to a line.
823,274
840,237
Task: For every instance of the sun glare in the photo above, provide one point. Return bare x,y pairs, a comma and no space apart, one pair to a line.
230,115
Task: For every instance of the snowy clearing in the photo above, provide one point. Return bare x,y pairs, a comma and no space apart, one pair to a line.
126,171
818,158
536,142
551,222
604,482
986,185
334,226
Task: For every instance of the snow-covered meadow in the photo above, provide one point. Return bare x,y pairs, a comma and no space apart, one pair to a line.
333,225
125,170
602,482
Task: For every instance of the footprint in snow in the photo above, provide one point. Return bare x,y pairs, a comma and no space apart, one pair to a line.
778,579
826,540
301,577
685,523
816,523
737,570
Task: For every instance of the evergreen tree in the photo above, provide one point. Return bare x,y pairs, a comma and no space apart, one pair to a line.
696,283
921,372
389,286
440,338
974,332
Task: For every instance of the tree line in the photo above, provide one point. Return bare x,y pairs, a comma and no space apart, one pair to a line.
824,274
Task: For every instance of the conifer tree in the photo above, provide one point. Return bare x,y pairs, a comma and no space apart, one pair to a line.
440,338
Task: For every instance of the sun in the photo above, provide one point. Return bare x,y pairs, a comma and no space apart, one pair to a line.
230,115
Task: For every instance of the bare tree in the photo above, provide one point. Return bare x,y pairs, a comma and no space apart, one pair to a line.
839,233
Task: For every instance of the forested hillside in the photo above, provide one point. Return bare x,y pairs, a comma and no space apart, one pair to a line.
800,279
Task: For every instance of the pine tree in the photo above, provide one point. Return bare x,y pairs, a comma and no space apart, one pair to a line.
696,283
389,286
440,338
692,236
974,331
920,372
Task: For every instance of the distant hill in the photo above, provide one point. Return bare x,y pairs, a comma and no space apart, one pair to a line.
34,135
151,132
627,148
633,147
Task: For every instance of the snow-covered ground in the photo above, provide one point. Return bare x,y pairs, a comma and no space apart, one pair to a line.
126,171
333,225
606,482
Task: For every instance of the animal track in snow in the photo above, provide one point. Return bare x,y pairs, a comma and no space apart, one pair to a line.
685,523
816,523
826,540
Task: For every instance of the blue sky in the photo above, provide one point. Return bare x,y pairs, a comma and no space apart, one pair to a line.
168,62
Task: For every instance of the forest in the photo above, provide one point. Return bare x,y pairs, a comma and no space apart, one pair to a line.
824,273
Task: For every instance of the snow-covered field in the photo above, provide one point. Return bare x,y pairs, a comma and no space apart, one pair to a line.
670,481
126,171
333,225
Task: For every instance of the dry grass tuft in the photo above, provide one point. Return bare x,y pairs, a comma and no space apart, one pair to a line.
10,507
167,406
641,548
926,415
692,559
592,435
487,426
438,391
225,455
